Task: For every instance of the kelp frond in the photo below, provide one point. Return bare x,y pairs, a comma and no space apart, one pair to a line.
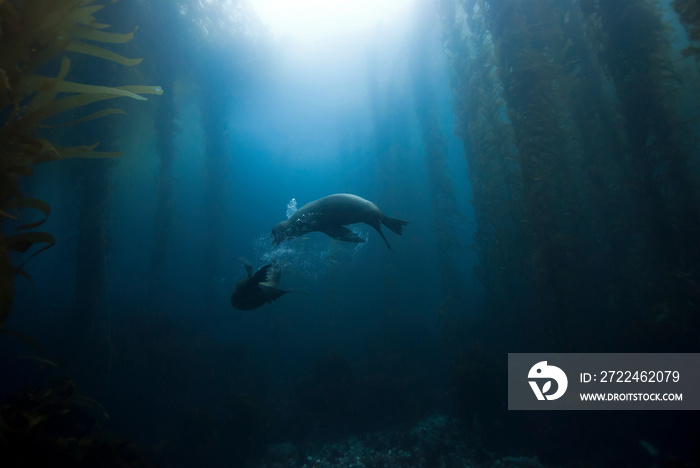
32,33
99,52
689,14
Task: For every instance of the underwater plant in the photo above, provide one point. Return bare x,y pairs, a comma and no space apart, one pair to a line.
446,215
35,34
661,145
689,14
526,42
53,425
580,159
489,149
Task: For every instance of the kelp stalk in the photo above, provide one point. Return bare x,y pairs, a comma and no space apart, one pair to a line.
489,148
446,215
31,34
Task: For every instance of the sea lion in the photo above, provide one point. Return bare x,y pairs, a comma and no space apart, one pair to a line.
257,289
329,214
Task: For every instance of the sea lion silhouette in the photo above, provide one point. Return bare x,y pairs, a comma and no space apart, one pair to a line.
329,214
257,289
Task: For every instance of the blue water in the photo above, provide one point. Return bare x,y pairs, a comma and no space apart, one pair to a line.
368,340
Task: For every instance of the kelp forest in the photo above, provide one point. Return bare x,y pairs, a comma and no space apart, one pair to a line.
581,140
544,155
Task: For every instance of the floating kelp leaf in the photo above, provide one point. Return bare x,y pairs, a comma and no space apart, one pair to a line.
91,405
4,82
40,359
84,14
48,147
21,170
691,50
50,50
34,419
33,203
101,36
22,242
7,289
99,26
71,102
66,14
89,49
94,115
24,338
52,153
70,87
19,242
32,34
47,87
143,89
86,152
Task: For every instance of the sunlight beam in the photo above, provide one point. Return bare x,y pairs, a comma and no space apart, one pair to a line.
313,20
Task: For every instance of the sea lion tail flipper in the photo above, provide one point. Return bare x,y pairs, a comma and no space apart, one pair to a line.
377,225
395,225
379,230
272,294
342,233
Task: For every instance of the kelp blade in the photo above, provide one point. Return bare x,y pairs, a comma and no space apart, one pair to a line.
34,203
157,90
72,102
93,34
89,49
7,285
94,115
86,152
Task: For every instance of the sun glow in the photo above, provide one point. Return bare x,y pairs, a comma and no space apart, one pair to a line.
312,20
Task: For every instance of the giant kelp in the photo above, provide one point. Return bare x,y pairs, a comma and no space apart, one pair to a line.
636,52
528,42
689,14
53,425
33,34
446,215
578,158
212,109
164,217
164,17
487,136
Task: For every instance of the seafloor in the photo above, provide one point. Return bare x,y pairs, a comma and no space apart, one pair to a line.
436,442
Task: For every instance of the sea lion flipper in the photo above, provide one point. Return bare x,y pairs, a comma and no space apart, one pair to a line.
376,224
260,276
395,225
272,293
341,233
247,265
379,230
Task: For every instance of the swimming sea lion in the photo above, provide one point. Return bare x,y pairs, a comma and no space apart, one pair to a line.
329,214
257,289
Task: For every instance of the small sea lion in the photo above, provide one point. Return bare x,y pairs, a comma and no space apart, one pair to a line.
329,214
257,289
